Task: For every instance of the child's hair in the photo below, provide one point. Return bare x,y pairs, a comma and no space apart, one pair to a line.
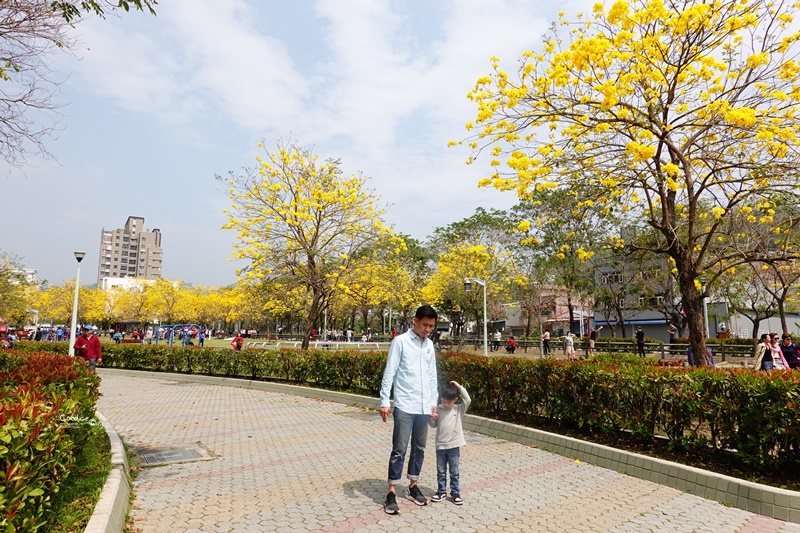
449,392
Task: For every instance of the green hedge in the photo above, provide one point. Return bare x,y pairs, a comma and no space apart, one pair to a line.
754,413
47,402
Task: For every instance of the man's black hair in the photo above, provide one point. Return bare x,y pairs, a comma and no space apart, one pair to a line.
425,311
449,392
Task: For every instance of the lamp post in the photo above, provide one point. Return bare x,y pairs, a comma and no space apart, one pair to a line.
705,313
468,288
78,257
539,319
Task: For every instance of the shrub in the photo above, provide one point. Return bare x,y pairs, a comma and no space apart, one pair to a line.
40,394
754,413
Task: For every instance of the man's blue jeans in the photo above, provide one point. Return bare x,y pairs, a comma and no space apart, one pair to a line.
448,459
407,426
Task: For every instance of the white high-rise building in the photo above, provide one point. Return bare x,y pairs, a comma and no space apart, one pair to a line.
130,252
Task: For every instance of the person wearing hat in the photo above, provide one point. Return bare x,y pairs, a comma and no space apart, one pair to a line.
88,347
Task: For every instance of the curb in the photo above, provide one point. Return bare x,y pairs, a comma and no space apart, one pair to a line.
765,500
111,510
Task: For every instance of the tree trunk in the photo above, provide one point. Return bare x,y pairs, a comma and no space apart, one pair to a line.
528,324
756,322
782,312
571,312
693,305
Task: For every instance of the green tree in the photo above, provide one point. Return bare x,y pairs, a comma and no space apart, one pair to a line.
15,292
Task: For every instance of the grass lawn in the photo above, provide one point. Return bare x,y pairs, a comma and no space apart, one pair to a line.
73,505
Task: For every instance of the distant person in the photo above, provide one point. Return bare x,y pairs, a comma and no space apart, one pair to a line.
237,341
546,342
117,337
569,346
88,347
593,339
778,360
200,338
449,440
640,341
763,356
496,338
411,373
38,336
511,344
673,332
691,359
790,351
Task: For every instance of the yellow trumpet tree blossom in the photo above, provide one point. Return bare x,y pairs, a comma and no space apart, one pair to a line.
445,287
654,108
301,221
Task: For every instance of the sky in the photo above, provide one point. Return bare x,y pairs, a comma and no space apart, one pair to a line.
156,107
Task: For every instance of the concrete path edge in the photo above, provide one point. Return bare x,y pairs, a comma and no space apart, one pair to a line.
769,501
111,510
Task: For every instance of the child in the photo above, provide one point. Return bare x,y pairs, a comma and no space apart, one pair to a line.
449,438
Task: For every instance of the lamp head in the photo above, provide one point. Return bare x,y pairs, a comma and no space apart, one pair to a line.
467,285
79,256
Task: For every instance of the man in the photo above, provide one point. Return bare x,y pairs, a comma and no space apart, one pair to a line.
496,338
88,347
569,346
673,332
640,341
546,342
411,371
593,339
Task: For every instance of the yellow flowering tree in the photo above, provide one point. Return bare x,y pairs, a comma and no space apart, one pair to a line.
655,108
445,287
16,294
303,222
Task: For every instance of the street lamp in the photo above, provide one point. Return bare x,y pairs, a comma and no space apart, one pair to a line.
78,257
468,288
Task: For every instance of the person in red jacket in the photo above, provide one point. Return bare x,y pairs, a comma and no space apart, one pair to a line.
237,342
88,347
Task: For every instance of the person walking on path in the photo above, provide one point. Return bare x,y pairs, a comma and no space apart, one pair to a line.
790,351
88,347
546,342
640,341
449,440
237,341
763,357
411,372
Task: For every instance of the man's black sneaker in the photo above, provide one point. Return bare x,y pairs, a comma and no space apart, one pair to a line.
439,497
456,499
390,505
416,496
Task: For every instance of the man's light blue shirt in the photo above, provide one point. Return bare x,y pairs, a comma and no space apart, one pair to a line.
411,369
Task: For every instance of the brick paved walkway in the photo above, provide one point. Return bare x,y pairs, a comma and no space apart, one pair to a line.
285,463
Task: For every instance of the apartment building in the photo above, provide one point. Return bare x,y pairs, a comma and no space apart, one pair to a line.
130,252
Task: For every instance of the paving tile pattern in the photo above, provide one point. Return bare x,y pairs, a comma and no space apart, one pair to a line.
285,463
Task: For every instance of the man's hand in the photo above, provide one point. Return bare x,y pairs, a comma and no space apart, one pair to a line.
434,413
456,384
385,410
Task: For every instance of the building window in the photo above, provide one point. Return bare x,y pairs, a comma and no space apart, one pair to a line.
612,277
651,302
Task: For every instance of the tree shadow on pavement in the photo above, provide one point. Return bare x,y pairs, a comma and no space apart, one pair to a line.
374,489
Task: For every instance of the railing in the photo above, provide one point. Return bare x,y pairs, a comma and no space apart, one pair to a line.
736,353
323,345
